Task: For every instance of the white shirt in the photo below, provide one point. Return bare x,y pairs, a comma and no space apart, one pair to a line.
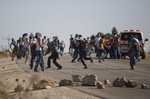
97,39
38,47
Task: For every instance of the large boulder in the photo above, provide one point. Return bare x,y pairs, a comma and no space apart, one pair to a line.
144,86
131,83
77,78
100,85
65,82
119,82
89,80
43,84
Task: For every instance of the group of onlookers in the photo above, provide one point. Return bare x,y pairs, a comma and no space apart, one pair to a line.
38,46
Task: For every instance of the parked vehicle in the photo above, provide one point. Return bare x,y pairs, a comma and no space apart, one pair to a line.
125,36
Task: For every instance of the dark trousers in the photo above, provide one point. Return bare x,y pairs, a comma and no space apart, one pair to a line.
33,56
75,55
82,55
54,57
101,54
134,57
14,52
61,50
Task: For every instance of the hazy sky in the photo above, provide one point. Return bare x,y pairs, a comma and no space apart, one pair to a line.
66,17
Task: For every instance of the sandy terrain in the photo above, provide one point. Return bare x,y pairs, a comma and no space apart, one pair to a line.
12,74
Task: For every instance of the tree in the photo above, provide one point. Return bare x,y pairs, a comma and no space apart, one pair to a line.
101,34
108,35
114,31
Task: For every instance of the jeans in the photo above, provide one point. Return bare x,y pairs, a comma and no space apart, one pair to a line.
117,53
61,50
134,57
39,61
21,51
101,54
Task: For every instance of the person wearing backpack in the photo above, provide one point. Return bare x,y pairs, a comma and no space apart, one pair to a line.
134,52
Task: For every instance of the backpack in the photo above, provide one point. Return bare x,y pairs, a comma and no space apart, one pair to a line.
136,47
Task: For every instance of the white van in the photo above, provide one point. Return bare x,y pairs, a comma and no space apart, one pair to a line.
125,36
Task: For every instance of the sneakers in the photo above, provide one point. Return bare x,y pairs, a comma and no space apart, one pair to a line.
91,60
85,67
99,61
31,66
48,68
103,60
59,68
73,62
35,70
12,59
26,62
42,67
132,68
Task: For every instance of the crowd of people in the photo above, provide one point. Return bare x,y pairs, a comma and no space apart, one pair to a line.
104,48
37,46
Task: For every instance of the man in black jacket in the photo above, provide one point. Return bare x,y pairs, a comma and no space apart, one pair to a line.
82,51
54,56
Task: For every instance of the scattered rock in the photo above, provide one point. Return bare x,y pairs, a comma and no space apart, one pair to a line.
48,87
43,84
107,82
19,88
77,78
131,83
100,85
144,86
65,82
89,80
119,82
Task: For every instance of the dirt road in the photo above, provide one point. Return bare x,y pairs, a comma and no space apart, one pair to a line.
110,69
13,73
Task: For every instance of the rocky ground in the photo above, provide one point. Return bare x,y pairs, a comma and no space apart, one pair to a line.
13,74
